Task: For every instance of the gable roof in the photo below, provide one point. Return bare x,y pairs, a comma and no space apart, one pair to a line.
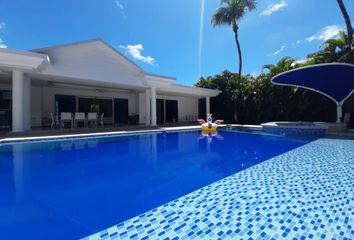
95,40
94,44
93,61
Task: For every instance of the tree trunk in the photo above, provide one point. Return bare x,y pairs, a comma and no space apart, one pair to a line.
235,28
347,22
239,92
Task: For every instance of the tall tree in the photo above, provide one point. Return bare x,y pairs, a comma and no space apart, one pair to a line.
350,31
229,13
333,50
283,65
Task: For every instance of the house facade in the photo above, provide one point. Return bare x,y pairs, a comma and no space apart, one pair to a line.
91,76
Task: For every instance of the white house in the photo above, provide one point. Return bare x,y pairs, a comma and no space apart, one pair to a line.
85,77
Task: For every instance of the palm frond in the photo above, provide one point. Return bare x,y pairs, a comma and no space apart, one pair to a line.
232,10
250,4
222,16
342,36
228,2
267,66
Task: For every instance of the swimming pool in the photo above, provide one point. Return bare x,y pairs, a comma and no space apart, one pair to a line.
67,189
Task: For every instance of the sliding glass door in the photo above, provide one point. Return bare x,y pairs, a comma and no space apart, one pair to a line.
65,103
97,105
160,111
202,108
171,111
166,111
121,111
5,109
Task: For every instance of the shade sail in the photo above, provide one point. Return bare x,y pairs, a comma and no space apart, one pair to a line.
335,80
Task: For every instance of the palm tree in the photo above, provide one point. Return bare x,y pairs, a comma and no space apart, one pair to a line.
229,13
347,22
283,65
333,50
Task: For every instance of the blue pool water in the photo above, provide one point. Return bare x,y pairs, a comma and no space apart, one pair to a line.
69,189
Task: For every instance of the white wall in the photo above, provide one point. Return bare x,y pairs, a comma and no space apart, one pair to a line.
186,106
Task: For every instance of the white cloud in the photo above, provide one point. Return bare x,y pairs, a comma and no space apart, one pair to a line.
273,8
281,49
2,25
326,33
298,41
119,4
2,44
135,52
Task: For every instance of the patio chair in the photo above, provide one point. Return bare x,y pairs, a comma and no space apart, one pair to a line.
52,119
101,120
92,118
79,117
65,117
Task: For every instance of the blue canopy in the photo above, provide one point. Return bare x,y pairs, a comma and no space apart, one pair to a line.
334,80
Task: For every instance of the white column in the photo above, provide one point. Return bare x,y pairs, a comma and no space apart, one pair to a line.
207,105
153,106
21,102
148,108
27,117
339,113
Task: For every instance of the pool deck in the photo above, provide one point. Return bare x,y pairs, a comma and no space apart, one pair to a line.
307,193
41,134
50,134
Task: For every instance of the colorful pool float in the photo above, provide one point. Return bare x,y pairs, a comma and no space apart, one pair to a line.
209,126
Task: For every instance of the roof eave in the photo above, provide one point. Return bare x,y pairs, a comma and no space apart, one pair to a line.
23,60
195,91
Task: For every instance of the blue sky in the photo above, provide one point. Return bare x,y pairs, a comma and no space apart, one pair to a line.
163,36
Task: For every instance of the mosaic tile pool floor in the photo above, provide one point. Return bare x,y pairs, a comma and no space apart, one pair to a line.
307,193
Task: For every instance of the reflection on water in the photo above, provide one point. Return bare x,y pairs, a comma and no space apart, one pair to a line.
21,173
210,136
84,185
